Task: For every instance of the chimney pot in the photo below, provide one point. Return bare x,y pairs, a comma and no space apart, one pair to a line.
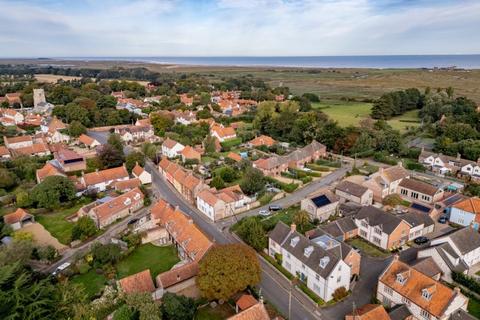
293,227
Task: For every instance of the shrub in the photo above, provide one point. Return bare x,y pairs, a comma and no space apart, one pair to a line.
83,267
340,293
467,281
279,258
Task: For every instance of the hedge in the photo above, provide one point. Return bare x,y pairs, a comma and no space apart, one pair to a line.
467,281
316,167
328,163
287,187
310,293
231,142
274,263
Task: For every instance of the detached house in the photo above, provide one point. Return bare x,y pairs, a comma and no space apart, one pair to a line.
382,229
321,206
140,282
88,141
354,192
261,141
222,133
466,212
171,148
141,174
458,251
416,190
189,153
317,264
16,220
424,297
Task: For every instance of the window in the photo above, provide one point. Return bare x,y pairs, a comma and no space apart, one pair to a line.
386,301
376,241
378,230
404,192
426,295
424,314
288,255
425,198
339,279
317,277
364,224
388,290
316,288
303,266
414,195
287,265
363,233
405,301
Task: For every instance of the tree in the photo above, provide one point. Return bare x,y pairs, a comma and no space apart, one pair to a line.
110,157
7,179
125,313
226,270
177,307
133,158
75,129
228,174
104,254
23,199
52,192
209,144
116,142
253,181
149,150
48,253
302,219
311,96
144,304
106,101
161,122
84,228
252,232
217,183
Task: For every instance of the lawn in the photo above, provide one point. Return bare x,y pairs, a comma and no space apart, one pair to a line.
367,248
91,281
148,256
220,312
474,307
351,113
286,216
56,223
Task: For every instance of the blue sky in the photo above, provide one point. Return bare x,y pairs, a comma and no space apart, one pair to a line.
76,28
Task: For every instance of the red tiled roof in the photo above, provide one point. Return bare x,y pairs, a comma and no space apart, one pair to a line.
33,149
256,312
169,143
262,140
234,156
469,205
371,312
138,283
112,207
246,301
129,184
190,153
48,170
182,229
4,151
177,275
15,217
117,173
137,170
86,140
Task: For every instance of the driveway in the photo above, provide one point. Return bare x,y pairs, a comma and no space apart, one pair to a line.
42,237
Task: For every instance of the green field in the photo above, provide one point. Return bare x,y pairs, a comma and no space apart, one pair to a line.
148,256
351,113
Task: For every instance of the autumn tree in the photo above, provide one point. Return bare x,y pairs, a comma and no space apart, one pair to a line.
301,219
226,270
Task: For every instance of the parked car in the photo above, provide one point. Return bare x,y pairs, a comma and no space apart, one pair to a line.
306,169
274,208
273,190
442,219
264,213
61,267
421,240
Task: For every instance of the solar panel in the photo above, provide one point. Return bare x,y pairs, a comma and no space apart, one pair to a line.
419,207
321,201
451,200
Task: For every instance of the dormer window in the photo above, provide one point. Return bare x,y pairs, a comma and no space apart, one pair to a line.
402,278
426,295
294,241
324,262
308,251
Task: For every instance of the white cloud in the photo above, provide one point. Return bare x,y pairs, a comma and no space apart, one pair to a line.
236,27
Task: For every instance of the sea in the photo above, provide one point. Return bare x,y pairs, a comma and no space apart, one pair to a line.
471,61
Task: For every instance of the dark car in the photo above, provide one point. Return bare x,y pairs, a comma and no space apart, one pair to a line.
274,208
421,240
442,220
133,221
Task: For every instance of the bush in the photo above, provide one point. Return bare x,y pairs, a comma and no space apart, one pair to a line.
83,267
306,180
279,258
84,228
340,293
310,293
384,158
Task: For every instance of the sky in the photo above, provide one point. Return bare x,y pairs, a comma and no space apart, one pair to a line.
143,28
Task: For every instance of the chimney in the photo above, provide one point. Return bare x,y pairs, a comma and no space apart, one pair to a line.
395,257
260,299
478,161
456,290
293,227
400,164
459,156
96,170
380,170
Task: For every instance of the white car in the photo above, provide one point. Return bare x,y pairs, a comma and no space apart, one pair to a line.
307,169
60,268
264,213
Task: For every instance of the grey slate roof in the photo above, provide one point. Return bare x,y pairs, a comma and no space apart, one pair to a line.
461,315
349,208
339,227
377,217
352,188
313,260
419,186
414,219
466,239
342,250
427,266
400,312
